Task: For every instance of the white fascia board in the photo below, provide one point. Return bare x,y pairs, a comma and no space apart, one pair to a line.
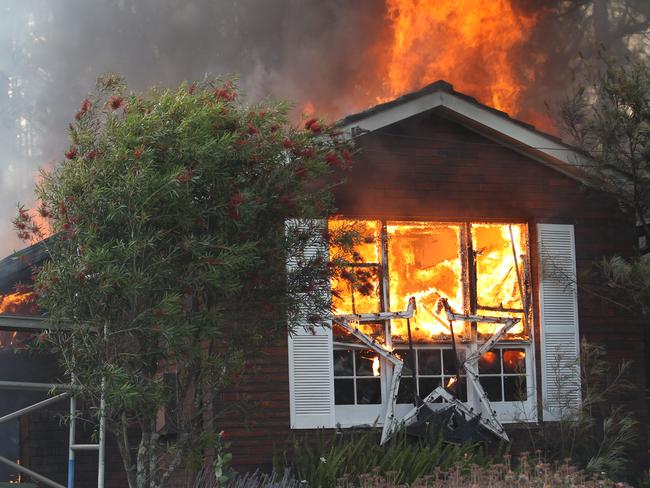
521,139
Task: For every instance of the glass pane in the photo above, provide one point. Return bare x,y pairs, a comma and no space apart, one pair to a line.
429,361
375,330
343,362
490,363
344,391
496,277
492,386
356,290
514,361
449,362
427,385
367,363
424,262
405,356
405,392
515,388
368,391
458,388
366,233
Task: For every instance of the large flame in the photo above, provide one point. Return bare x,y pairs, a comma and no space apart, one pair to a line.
471,43
429,261
18,303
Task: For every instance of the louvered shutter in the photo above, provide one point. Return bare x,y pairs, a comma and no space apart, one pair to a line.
559,318
311,369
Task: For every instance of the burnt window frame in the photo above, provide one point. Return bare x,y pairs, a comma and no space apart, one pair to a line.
469,286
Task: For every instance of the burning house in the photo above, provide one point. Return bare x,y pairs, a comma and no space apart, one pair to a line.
466,290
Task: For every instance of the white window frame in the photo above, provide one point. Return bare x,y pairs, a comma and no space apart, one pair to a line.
507,412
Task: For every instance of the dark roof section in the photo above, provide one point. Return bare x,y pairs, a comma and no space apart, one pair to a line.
437,86
17,267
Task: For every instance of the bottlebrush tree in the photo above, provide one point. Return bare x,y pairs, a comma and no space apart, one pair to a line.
169,253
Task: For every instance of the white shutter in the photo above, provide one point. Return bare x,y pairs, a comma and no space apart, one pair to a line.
559,316
311,369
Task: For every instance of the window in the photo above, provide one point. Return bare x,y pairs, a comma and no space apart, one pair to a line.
479,268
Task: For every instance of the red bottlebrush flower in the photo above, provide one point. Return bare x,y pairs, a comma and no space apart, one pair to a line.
137,152
234,213
286,143
74,219
22,288
308,153
237,199
252,129
185,176
115,102
67,226
62,208
287,201
21,225
85,106
346,155
43,211
332,159
23,215
262,114
91,155
71,153
310,123
225,94
315,128
300,171
23,235
347,275
191,88
369,240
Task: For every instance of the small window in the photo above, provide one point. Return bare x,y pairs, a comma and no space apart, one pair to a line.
357,377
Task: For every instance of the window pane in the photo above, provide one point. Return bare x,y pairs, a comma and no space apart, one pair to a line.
344,391
356,290
424,262
368,391
492,386
367,363
514,361
490,363
374,330
405,392
515,388
458,388
427,385
496,277
449,362
368,248
429,361
343,363
405,356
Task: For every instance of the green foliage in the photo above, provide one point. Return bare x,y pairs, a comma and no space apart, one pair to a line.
333,457
598,436
169,250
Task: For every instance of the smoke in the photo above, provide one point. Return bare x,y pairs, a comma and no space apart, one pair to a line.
315,51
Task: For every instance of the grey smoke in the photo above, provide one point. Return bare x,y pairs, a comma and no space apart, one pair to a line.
305,50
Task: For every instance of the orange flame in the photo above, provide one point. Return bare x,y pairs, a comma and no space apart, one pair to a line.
375,366
426,260
470,43
451,382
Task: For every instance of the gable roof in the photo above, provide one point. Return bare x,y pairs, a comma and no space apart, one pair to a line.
487,121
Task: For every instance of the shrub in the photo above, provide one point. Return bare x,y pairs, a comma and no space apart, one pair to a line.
332,458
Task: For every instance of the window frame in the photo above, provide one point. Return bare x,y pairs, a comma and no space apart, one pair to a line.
507,411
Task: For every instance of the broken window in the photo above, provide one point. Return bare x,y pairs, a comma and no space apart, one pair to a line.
478,268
